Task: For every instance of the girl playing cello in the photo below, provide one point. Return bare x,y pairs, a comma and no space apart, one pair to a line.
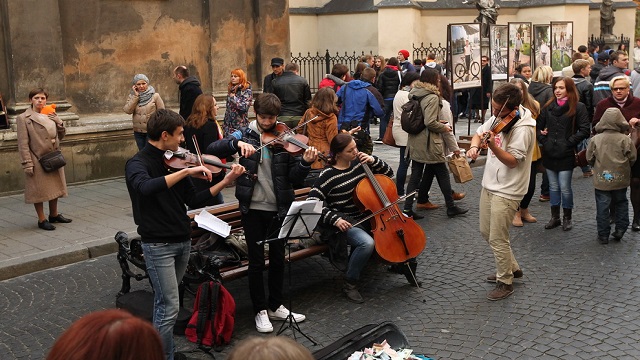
335,187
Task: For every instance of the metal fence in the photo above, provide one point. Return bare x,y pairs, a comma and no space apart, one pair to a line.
601,42
315,67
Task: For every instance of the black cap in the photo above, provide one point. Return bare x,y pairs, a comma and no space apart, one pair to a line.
603,56
277,62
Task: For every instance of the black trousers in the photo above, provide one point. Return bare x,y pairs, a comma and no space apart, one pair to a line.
258,226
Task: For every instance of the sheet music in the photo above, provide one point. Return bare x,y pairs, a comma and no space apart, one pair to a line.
310,211
212,223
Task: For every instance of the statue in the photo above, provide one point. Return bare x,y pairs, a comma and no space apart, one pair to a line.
488,14
607,20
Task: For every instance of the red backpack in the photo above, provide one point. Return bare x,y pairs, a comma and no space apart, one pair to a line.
213,317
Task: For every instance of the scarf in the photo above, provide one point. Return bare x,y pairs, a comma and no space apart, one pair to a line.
143,97
622,102
562,101
392,67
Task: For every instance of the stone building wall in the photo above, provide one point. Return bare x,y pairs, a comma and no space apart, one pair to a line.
85,53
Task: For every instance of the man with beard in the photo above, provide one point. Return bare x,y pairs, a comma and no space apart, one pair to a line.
189,88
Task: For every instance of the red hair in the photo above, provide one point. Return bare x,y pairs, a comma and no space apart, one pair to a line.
106,335
244,84
572,94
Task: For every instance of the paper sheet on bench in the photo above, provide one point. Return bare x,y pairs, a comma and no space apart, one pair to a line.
310,211
212,223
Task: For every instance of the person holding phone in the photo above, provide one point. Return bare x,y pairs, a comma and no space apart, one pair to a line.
142,102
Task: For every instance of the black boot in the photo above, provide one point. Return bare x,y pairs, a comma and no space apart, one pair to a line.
566,219
555,218
635,225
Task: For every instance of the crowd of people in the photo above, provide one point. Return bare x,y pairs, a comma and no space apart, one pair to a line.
538,123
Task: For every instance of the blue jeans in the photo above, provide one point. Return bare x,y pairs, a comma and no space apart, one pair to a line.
388,112
141,139
362,246
166,264
560,188
605,200
401,174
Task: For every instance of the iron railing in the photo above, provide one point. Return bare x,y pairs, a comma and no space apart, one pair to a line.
601,42
315,67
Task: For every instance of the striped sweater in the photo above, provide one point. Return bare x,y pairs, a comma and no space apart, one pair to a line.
335,188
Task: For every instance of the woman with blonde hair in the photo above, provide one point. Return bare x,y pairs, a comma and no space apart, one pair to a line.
540,88
239,99
269,348
142,102
563,123
528,102
202,123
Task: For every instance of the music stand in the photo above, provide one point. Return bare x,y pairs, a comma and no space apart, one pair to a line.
299,223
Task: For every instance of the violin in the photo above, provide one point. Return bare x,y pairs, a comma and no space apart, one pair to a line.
183,159
397,238
283,137
498,125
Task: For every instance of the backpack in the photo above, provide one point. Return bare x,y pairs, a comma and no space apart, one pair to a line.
213,318
412,119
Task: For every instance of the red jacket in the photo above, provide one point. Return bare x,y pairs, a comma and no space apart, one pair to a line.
630,110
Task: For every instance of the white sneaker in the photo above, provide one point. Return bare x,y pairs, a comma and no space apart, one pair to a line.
282,312
263,324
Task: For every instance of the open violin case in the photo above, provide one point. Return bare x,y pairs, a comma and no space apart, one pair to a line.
362,338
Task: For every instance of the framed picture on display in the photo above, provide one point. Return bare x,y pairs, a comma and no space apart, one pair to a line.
464,47
541,45
561,45
519,45
498,47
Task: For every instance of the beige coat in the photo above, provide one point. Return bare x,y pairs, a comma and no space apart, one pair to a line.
141,114
39,135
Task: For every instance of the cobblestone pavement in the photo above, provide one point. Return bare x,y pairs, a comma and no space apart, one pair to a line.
577,299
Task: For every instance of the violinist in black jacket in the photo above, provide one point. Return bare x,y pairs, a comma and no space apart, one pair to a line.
264,204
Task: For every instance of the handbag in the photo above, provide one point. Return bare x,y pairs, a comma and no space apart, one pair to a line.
460,169
580,157
52,161
388,139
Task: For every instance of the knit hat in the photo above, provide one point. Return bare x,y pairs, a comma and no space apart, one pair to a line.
404,53
139,77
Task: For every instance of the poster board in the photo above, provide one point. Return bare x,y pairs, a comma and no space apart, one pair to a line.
519,45
561,45
541,45
498,47
464,47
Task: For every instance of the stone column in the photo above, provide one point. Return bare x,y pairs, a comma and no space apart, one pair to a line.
33,50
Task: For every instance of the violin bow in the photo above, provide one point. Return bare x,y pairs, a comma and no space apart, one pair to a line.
198,153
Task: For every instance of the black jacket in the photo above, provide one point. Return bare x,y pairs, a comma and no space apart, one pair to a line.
287,170
294,93
160,212
541,92
585,90
267,84
559,145
388,83
189,91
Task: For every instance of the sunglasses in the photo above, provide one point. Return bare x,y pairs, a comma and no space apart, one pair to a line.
619,88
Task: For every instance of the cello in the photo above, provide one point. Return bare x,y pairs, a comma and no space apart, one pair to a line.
397,238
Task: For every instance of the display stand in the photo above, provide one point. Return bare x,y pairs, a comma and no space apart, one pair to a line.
297,225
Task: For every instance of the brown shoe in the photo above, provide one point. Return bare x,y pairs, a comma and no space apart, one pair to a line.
427,206
516,275
517,219
458,196
526,216
502,291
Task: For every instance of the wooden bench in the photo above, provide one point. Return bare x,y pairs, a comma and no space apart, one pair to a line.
131,251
